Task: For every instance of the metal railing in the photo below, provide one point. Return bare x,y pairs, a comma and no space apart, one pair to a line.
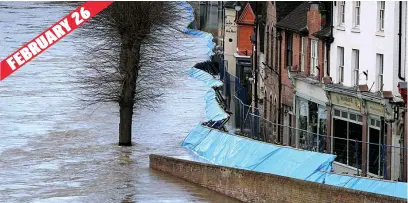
381,161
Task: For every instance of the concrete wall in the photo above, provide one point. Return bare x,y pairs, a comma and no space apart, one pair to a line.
249,186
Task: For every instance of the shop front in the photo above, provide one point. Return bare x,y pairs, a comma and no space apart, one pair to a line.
359,133
311,116
347,131
377,139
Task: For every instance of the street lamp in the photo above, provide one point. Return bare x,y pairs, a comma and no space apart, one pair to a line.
237,6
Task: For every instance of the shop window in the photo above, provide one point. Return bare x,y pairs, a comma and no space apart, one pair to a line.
303,108
336,112
353,117
359,118
347,138
354,144
340,140
322,129
312,125
375,150
344,114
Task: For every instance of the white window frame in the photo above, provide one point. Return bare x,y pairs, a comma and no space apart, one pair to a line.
340,64
356,66
341,13
376,119
381,16
380,71
314,56
356,14
303,46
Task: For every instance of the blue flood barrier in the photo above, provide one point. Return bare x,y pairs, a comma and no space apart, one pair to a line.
205,77
233,151
229,150
213,110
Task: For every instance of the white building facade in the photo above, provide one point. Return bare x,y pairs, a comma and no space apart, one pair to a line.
366,40
367,60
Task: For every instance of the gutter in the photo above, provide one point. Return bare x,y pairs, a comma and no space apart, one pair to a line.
330,40
399,43
301,32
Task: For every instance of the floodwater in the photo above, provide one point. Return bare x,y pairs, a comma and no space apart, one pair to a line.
53,148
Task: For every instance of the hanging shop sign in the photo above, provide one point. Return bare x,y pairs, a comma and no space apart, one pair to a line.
345,101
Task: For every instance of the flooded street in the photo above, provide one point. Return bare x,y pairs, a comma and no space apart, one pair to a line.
53,148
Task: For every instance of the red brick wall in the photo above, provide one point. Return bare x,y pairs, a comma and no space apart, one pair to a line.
245,30
244,42
313,20
314,23
296,51
287,88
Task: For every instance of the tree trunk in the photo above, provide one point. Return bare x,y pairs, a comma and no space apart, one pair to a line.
129,60
125,126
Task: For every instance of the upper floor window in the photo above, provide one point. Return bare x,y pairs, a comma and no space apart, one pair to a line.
380,71
355,62
289,49
381,15
356,16
303,53
314,56
342,9
340,63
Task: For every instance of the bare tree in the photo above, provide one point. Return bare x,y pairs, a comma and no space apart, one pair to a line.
126,44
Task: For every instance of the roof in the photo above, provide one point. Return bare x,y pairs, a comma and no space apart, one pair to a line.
323,33
229,4
247,15
283,8
295,20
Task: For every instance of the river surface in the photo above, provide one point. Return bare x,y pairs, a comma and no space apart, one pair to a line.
53,148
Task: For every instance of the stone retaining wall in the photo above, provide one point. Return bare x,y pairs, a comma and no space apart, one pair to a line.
250,186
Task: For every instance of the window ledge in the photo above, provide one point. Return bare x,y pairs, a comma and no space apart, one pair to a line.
355,30
341,27
380,33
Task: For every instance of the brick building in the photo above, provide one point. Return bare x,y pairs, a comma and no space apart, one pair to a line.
245,24
304,42
268,57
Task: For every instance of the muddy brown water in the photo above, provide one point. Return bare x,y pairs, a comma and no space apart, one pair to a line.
54,149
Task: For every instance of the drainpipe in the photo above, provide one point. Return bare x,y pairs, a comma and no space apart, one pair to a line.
279,86
256,55
330,40
399,43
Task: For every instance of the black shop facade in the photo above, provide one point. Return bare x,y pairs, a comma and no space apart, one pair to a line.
358,132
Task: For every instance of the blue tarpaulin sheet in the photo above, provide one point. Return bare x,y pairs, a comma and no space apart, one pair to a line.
213,110
205,77
225,149
233,151
229,150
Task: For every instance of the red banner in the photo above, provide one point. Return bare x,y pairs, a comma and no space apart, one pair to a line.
51,36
